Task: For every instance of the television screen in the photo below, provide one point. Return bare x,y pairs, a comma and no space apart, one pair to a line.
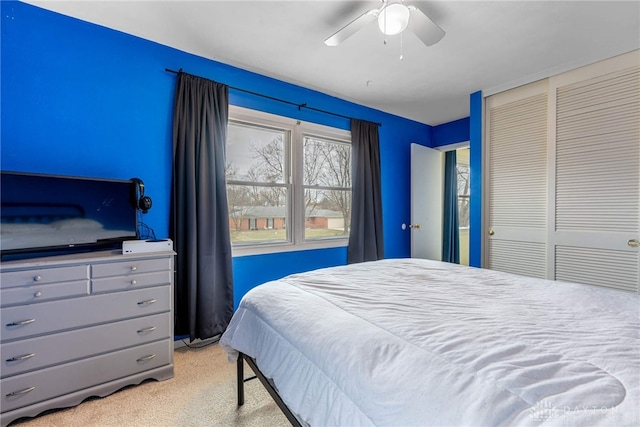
41,213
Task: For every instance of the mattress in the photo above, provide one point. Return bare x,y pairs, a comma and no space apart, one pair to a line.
410,342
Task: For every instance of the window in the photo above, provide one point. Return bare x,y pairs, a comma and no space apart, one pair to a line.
462,168
288,183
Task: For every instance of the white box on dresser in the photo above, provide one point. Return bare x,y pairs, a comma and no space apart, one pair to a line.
82,325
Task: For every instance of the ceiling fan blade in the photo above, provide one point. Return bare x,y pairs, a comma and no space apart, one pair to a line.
423,27
351,28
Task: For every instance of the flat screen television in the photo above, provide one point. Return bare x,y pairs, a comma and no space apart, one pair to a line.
49,214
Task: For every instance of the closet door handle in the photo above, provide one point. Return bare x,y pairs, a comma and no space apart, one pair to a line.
21,322
633,243
23,357
19,392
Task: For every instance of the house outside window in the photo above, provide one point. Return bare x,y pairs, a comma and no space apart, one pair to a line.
288,183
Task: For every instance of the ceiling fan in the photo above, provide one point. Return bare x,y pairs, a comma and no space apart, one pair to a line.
393,18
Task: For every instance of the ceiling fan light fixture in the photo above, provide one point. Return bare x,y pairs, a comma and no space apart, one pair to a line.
396,16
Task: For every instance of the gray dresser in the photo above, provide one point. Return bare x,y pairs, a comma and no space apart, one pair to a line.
75,326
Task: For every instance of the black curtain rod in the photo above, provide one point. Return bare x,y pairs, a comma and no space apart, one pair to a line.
300,106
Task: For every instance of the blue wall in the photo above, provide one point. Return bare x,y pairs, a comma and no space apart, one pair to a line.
451,133
475,167
80,99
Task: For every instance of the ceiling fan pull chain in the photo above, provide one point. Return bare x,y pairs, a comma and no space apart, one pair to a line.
385,24
401,47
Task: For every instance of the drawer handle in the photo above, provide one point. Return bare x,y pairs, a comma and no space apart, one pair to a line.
37,294
145,358
21,322
37,278
134,268
147,302
134,282
23,357
633,243
146,330
19,392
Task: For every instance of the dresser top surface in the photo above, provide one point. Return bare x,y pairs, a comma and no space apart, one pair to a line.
80,258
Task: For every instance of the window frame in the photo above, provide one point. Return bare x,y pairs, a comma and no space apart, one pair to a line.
295,224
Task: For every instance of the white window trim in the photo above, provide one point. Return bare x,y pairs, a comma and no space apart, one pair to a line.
295,209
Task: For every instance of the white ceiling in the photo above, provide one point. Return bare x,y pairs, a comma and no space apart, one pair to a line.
488,46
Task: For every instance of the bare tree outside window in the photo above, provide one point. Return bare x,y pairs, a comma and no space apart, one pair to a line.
463,195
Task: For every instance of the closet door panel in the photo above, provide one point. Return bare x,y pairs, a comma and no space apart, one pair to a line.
526,258
596,266
597,177
516,155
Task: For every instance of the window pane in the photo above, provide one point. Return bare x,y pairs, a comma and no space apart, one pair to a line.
256,154
327,213
463,180
463,195
327,163
257,214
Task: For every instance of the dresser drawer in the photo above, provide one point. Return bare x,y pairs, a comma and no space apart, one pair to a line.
43,275
132,281
33,387
129,267
40,293
47,317
40,352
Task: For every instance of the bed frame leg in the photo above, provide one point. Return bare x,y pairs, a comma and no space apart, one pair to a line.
240,379
267,385
273,392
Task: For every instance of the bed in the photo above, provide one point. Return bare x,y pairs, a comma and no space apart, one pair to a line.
410,342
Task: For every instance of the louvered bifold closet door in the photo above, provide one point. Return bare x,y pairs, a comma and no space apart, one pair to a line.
516,154
597,178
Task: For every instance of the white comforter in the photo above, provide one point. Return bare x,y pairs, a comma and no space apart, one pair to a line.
415,342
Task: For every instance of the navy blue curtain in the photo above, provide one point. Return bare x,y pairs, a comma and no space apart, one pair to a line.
365,236
199,215
451,232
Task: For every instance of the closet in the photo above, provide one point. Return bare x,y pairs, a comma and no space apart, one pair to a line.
562,186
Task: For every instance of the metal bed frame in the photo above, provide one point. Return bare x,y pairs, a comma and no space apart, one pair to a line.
295,422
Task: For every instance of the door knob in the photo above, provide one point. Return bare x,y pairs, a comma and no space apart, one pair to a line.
491,232
633,243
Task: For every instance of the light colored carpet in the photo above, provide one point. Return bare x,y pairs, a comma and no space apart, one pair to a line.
201,393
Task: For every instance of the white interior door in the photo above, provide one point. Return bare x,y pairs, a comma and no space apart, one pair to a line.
427,181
